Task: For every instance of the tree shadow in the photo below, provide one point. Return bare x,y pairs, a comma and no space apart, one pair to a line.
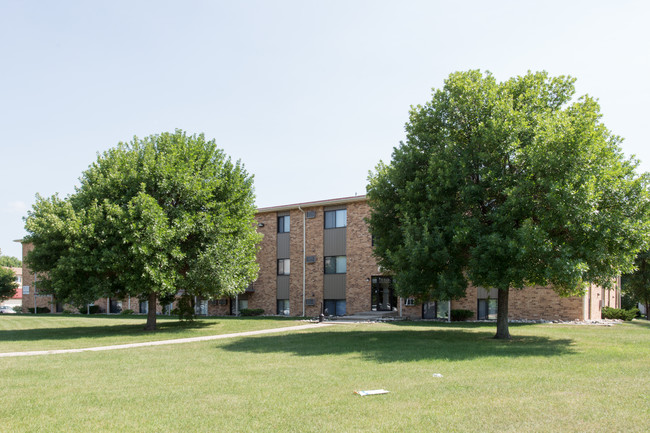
404,345
641,322
164,328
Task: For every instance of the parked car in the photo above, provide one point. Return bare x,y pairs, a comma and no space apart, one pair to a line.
6,309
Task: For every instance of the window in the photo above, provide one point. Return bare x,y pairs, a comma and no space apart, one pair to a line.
25,290
201,307
284,224
334,307
284,266
283,307
487,309
335,265
336,218
409,302
144,307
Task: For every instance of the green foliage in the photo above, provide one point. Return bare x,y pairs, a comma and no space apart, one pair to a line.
151,217
461,315
619,313
18,309
185,309
92,309
127,312
251,311
506,185
8,284
39,310
636,285
10,261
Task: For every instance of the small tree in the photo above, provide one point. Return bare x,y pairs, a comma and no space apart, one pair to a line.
151,217
10,262
637,284
8,284
506,185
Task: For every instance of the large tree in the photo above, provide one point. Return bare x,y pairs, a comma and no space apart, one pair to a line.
8,284
10,261
637,283
506,185
150,218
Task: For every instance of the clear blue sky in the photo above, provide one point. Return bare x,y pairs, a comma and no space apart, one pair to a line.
309,95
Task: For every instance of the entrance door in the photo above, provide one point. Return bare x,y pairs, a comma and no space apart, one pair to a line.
383,297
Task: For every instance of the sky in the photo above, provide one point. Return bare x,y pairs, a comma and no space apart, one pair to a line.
309,95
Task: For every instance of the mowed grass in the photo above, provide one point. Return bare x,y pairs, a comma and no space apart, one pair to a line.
20,333
548,378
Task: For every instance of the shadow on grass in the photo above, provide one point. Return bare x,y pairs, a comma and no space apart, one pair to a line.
165,328
644,323
405,345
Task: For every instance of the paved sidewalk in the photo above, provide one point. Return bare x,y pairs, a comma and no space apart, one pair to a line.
164,342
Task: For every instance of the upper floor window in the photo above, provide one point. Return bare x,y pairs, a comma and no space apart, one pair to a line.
336,218
284,224
284,266
335,265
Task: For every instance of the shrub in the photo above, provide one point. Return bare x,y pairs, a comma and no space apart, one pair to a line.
93,309
461,315
68,312
619,313
126,312
185,309
18,308
39,310
251,311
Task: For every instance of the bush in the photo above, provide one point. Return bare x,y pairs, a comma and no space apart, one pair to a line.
39,310
18,308
185,309
251,311
93,309
68,312
461,315
619,313
126,312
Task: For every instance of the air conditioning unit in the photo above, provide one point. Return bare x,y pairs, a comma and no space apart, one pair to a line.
310,302
310,259
310,214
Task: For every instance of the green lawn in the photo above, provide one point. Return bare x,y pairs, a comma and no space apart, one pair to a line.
549,378
19,333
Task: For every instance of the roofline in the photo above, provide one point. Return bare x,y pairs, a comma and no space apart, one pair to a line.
329,202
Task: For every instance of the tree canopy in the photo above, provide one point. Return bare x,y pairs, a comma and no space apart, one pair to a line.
150,218
8,284
637,283
10,261
506,185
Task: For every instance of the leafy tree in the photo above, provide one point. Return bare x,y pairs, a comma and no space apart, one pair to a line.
150,218
506,185
8,284
637,284
10,261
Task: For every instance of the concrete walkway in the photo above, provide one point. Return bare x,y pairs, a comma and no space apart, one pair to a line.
164,342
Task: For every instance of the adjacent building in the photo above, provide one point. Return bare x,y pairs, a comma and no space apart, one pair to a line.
317,257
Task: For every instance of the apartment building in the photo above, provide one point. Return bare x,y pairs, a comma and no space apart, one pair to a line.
317,257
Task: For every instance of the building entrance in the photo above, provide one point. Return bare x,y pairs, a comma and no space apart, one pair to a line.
382,295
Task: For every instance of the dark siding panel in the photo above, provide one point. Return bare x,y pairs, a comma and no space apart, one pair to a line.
283,287
283,245
334,242
334,286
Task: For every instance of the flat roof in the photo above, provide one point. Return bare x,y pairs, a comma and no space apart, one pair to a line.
329,202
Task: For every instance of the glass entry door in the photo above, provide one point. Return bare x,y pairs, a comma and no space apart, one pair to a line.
383,297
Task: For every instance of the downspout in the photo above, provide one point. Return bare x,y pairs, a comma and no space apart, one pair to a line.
304,257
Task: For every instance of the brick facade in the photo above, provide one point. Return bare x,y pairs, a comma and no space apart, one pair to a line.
361,267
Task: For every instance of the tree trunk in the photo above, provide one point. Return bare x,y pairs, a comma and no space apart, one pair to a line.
647,310
502,315
151,312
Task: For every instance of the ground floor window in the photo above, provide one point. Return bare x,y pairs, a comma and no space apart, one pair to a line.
116,306
487,309
283,307
334,307
435,310
201,307
59,307
144,307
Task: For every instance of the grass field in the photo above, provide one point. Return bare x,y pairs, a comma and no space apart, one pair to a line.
548,378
